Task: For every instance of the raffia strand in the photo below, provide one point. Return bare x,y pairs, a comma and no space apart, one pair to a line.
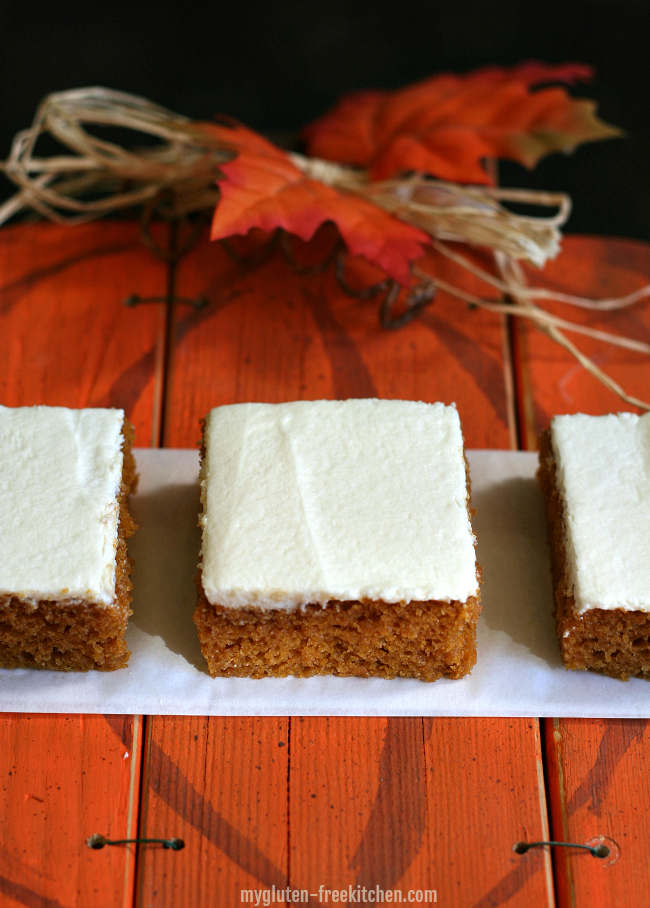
184,168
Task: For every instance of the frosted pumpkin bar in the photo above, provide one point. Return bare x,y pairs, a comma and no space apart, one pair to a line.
65,476
336,540
595,475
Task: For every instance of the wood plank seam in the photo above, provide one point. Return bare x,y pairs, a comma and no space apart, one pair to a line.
542,775
169,339
509,376
159,421
138,876
133,817
289,729
161,379
523,402
425,841
523,394
515,368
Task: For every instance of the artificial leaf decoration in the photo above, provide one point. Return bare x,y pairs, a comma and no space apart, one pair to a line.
262,187
448,124
389,222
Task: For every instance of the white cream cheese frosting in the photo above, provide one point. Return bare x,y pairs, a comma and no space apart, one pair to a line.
603,477
60,474
318,500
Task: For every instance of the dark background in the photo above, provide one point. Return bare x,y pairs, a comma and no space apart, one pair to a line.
276,66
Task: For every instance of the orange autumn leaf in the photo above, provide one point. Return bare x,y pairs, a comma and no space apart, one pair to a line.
448,124
261,187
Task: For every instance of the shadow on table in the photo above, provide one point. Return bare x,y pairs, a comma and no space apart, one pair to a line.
517,593
165,549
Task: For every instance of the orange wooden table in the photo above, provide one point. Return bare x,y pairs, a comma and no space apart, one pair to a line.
396,803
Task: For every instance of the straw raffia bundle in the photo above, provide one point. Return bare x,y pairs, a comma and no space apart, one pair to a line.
95,177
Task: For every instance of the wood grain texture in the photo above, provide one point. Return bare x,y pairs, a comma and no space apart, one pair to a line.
550,379
65,778
270,334
597,785
496,766
407,804
358,801
66,339
346,798
221,786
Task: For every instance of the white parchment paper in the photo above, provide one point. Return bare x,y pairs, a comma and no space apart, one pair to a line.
518,673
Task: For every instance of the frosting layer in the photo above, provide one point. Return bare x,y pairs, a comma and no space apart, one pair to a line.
603,474
317,500
60,474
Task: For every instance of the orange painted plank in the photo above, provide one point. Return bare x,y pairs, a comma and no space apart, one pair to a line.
65,778
550,378
596,768
270,334
418,804
494,765
599,786
66,339
221,786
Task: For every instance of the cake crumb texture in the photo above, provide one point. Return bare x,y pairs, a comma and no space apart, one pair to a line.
74,635
424,640
611,641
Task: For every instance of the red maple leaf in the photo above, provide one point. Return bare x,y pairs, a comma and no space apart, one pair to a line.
448,124
261,187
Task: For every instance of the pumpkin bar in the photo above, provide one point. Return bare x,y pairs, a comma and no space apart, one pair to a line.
595,476
65,476
336,539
